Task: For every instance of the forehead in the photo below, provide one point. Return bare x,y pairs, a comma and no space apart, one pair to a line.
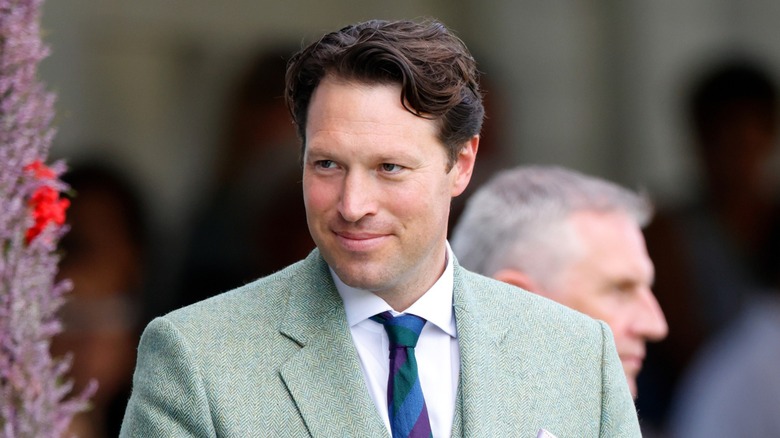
344,111
333,91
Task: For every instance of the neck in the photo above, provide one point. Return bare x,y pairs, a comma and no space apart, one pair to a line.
402,296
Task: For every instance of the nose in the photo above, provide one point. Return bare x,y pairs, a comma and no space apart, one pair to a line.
357,199
650,322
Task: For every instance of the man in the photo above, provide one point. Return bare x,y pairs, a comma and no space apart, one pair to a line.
389,115
714,251
574,239
728,385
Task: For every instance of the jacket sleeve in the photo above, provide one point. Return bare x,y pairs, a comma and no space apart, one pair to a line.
618,413
168,397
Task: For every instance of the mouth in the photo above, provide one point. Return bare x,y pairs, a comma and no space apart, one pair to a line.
360,241
632,362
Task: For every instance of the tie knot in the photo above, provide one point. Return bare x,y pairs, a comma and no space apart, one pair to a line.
402,330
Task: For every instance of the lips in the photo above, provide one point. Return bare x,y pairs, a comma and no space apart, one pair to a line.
360,241
632,362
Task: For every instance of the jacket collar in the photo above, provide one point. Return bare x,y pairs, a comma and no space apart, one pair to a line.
334,401
481,337
324,377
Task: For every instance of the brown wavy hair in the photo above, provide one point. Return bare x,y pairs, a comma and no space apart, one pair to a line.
438,76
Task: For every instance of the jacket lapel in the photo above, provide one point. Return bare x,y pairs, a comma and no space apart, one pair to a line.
480,339
324,378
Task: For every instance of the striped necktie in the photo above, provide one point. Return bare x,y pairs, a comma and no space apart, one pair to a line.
405,403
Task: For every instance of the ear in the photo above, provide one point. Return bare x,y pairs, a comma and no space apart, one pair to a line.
517,278
464,166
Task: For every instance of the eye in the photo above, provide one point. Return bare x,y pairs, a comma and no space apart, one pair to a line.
624,287
391,168
325,164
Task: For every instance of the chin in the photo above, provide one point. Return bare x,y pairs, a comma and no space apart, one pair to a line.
360,278
631,374
632,387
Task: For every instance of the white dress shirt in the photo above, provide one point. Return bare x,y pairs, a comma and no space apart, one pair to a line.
438,359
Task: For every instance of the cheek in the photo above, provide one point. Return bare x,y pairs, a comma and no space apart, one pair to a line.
618,319
317,196
418,204
597,306
604,309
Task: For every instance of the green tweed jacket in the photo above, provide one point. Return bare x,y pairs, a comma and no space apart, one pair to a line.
275,358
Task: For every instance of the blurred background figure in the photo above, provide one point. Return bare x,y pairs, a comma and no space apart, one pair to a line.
713,253
105,257
572,238
732,388
253,223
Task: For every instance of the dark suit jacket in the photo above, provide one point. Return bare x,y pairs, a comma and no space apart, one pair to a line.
276,358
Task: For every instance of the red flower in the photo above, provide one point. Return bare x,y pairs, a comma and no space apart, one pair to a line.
40,170
47,207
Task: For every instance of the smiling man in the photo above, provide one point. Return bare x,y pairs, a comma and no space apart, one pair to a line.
377,185
574,239
379,331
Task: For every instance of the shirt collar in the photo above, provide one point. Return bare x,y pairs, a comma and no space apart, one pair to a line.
435,306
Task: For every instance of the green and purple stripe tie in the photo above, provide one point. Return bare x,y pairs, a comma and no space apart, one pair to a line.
405,403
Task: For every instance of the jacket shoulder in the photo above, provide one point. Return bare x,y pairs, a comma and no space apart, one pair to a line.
260,300
557,365
510,302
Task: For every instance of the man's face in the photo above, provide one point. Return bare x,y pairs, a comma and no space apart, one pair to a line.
610,279
377,189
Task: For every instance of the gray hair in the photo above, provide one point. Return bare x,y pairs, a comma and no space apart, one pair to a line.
518,218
